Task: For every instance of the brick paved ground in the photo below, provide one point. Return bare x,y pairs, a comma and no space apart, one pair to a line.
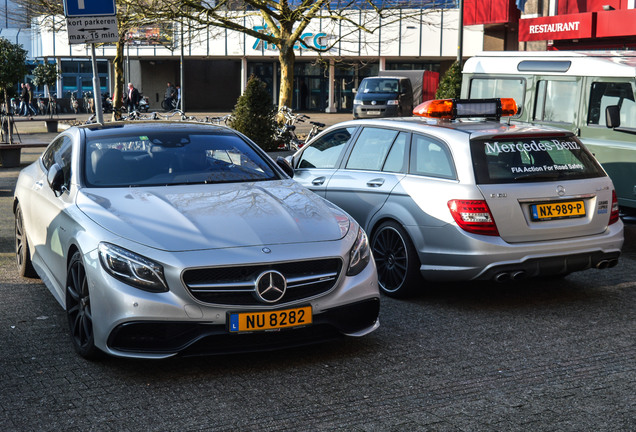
531,356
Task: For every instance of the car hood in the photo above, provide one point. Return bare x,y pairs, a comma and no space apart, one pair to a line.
196,217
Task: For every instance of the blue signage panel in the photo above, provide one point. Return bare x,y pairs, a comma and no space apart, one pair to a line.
78,8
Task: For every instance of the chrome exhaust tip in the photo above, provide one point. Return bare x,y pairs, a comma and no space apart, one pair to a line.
502,277
519,275
602,264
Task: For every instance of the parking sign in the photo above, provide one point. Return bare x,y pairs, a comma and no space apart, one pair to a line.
80,8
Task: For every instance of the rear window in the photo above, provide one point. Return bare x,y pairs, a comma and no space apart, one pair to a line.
532,159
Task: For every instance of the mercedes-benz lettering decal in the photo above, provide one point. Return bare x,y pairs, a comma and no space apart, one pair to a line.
271,286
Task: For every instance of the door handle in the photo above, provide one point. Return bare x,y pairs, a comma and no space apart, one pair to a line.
375,182
318,181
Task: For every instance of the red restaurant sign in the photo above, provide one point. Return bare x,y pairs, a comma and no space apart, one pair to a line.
573,26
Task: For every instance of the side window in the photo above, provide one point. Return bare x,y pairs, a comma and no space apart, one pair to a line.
604,94
396,160
371,149
556,101
487,88
59,153
326,150
48,158
430,158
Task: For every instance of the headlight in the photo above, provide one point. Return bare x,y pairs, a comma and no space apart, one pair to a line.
393,102
359,254
357,102
132,269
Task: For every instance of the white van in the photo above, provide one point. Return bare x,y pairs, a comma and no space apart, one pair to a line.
590,93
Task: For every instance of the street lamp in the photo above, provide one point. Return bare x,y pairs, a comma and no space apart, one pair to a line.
460,36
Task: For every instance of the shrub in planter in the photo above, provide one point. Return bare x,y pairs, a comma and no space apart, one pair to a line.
254,114
451,83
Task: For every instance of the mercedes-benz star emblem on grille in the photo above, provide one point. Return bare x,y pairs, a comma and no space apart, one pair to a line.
271,286
560,190
373,102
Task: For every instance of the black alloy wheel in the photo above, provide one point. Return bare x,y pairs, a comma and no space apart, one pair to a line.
396,260
78,309
22,254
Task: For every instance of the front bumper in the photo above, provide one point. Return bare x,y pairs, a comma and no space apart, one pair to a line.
188,339
129,322
375,111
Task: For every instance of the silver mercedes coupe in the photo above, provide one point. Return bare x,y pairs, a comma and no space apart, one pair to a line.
162,238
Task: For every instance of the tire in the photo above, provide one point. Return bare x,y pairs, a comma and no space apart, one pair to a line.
22,252
78,310
396,260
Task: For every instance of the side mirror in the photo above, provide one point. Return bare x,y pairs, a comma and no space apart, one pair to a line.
285,166
55,178
613,116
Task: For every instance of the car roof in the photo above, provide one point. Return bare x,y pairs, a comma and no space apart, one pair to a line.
472,128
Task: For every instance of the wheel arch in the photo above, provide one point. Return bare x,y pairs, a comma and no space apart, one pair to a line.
393,211
71,251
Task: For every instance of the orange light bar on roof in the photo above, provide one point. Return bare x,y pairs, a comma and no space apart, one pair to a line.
508,107
463,108
439,108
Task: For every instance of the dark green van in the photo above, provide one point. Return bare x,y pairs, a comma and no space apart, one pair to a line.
590,93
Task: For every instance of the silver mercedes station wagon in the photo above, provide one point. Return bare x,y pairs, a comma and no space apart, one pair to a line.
448,197
166,238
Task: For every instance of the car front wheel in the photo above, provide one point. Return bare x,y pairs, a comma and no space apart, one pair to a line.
22,254
78,309
396,260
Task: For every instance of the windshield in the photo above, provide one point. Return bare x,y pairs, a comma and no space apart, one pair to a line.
170,158
532,159
379,85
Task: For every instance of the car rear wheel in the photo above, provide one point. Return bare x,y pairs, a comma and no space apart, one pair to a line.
396,260
22,254
78,309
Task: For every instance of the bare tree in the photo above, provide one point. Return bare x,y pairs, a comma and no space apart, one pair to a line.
286,21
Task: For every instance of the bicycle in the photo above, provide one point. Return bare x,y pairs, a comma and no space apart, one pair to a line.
218,120
286,133
52,105
169,104
88,105
74,102
316,128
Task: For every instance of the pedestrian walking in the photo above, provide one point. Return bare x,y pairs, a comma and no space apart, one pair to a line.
170,97
30,101
132,98
24,96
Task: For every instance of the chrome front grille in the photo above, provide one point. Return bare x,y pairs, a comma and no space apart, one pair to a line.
236,285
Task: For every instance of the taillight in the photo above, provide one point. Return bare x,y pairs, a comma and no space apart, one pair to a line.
614,214
473,216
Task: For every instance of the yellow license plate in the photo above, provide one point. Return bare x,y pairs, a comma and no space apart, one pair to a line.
557,210
256,321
